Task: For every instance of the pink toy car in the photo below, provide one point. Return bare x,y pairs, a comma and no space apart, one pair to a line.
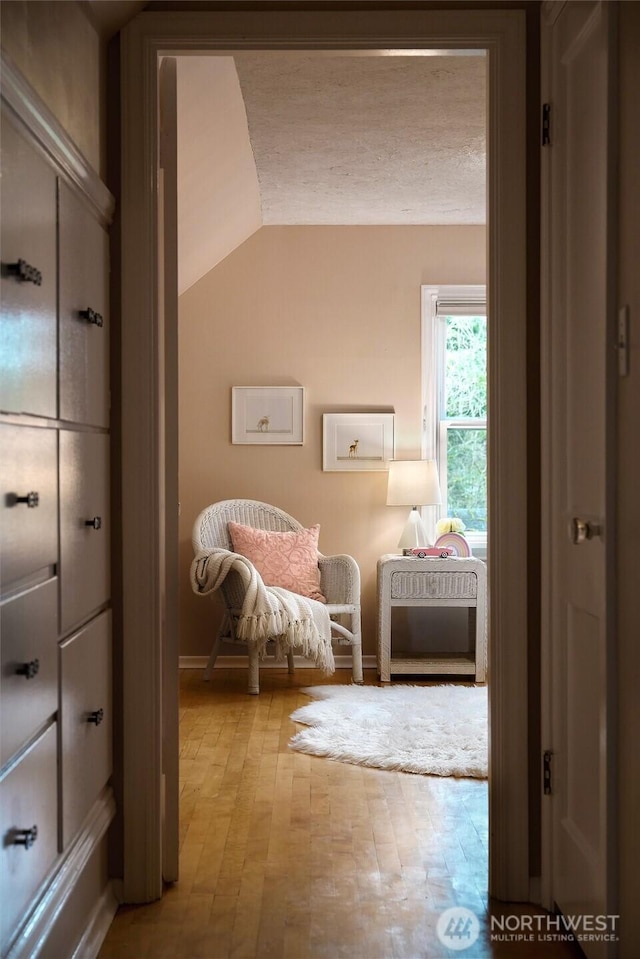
442,551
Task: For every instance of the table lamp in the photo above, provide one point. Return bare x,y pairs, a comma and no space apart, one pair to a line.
413,483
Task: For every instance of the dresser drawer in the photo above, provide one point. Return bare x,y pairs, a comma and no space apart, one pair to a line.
28,329
29,654
84,525
28,798
85,720
437,585
28,501
84,314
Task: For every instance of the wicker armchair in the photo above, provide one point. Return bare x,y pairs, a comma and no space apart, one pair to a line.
339,580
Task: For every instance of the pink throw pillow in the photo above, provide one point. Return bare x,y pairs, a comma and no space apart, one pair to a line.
288,560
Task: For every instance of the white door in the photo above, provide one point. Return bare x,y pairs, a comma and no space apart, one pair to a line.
578,385
168,337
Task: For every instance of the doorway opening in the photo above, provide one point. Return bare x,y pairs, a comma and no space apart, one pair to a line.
317,193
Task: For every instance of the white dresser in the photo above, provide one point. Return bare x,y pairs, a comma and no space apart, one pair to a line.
56,801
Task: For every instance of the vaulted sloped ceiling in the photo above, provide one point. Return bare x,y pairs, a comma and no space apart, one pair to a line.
279,138
367,140
218,195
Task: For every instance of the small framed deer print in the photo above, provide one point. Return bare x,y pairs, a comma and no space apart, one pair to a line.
267,415
357,441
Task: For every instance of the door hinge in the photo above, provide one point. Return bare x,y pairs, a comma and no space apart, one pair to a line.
546,772
546,124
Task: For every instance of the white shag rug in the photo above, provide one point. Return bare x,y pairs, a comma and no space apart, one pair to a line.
432,730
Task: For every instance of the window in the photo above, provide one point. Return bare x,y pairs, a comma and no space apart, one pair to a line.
455,401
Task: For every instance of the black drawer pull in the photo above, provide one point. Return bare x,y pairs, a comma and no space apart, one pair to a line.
25,272
96,717
29,670
31,499
25,837
91,316
95,523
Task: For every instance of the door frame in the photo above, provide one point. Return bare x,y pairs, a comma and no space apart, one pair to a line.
146,388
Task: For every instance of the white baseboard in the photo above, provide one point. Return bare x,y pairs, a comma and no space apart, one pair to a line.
240,662
97,925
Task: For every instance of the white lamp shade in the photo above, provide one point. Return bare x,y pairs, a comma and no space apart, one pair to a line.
413,483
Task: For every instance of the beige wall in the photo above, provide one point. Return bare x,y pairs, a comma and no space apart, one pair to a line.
58,51
337,310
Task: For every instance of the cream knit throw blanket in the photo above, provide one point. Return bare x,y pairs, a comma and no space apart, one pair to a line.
268,612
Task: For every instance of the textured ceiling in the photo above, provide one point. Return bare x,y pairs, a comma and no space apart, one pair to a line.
367,140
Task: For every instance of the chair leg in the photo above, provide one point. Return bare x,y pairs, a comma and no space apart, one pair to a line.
356,650
254,670
356,663
290,661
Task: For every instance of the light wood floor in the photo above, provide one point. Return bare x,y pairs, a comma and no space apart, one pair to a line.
289,856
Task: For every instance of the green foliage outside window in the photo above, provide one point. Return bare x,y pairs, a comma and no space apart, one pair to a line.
466,398
466,367
467,476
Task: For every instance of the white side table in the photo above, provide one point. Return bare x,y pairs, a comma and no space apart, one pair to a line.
409,581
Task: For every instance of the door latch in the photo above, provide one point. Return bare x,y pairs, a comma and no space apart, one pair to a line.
581,530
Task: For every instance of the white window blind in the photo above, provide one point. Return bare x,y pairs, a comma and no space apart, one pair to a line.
460,307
